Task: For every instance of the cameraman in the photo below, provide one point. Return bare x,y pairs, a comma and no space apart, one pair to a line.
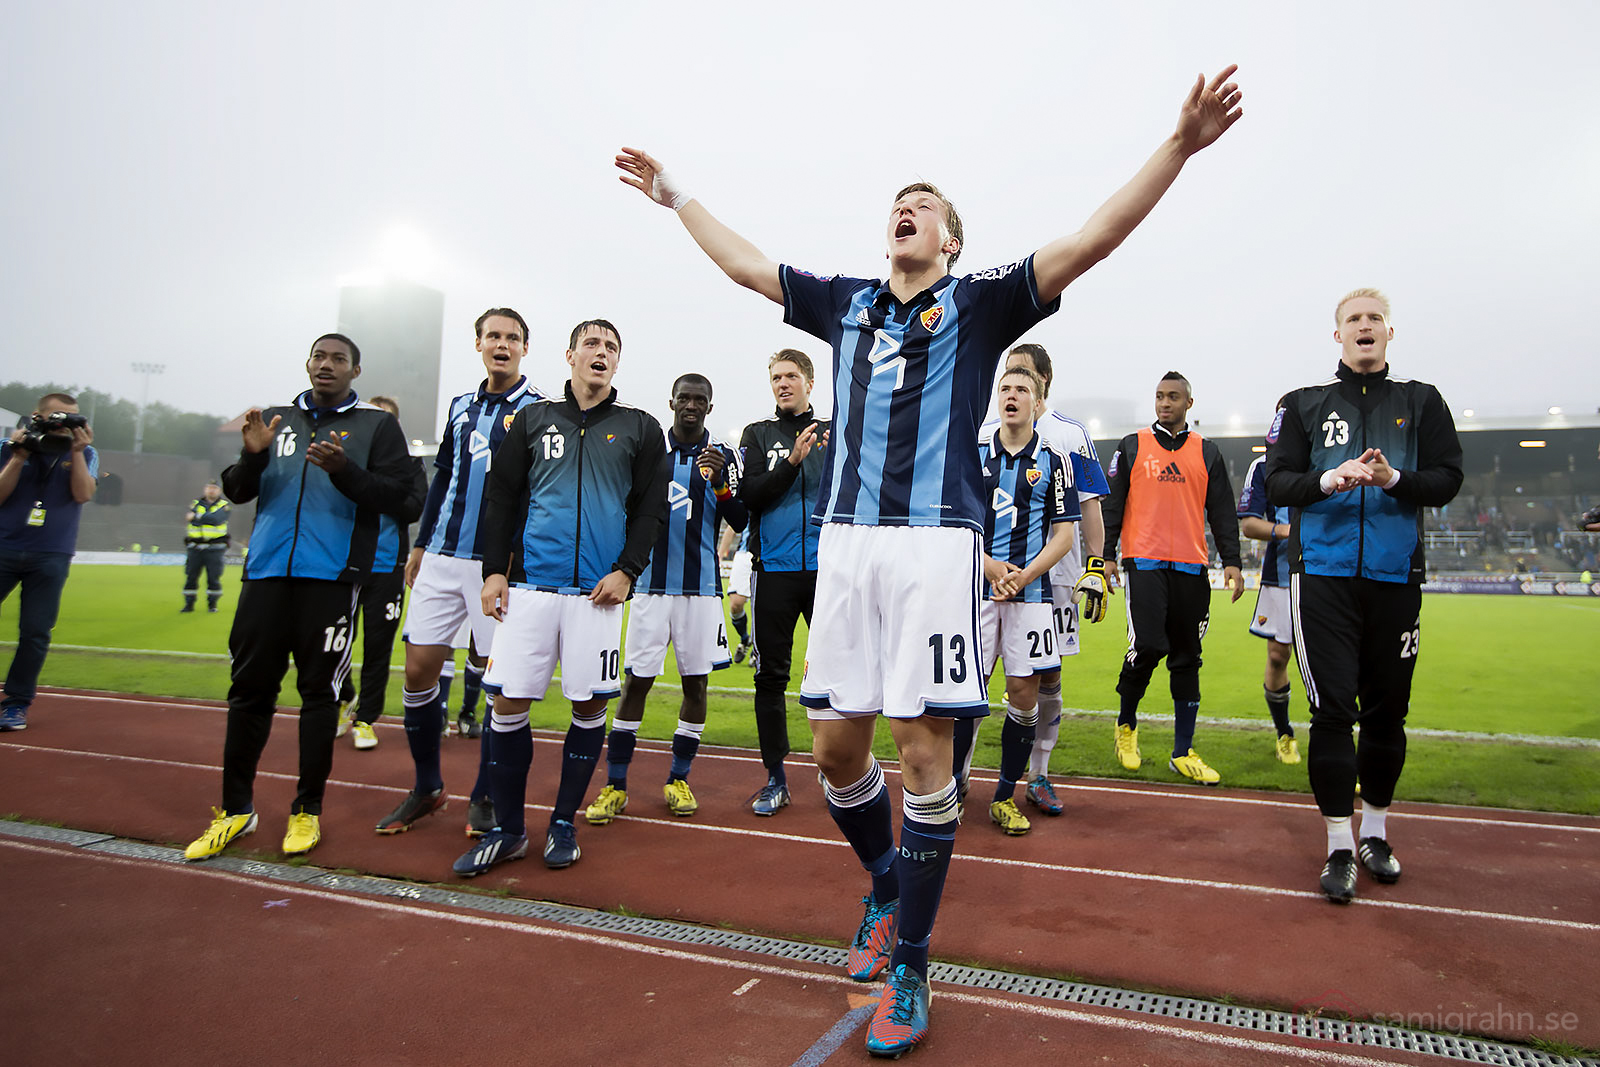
47,473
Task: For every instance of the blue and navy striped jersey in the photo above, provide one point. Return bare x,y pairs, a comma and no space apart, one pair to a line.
1070,438
1029,493
476,425
1253,501
684,559
911,383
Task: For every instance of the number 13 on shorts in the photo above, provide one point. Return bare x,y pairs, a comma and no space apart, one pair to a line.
957,658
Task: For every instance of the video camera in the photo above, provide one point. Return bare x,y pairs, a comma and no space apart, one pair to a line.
38,439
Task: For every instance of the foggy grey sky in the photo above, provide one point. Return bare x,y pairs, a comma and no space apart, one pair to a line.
188,183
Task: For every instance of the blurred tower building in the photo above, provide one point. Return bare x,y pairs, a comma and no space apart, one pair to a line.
400,327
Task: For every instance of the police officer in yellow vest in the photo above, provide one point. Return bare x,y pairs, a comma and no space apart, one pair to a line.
207,539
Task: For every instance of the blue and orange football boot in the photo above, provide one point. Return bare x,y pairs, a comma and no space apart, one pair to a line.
901,1020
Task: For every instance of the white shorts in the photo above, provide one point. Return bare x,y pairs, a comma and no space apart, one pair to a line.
1024,635
1272,618
692,624
1064,613
541,628
446,597
896,624
739,575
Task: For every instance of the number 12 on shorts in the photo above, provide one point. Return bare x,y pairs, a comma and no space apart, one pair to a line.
958,658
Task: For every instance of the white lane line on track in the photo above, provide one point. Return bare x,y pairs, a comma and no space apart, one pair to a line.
1482,736
892,768
1318,1054
1057,868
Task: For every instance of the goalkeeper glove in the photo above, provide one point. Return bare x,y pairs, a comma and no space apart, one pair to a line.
1091,590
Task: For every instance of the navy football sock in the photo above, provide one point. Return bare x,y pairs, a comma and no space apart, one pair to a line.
1278,705
480,787
424,724
578,756
619,752
1184,713
927,840
1128,712
741,623
471,686
1016,745
965,739
511,757
685,743
863,815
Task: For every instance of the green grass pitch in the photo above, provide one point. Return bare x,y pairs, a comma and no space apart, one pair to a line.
1488,664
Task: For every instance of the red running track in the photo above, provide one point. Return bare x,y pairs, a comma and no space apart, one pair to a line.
1199,892
144,962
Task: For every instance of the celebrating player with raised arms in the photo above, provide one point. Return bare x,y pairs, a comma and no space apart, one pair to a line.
445,569
902,506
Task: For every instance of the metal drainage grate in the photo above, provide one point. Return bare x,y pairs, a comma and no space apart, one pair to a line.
1279,1023
55,834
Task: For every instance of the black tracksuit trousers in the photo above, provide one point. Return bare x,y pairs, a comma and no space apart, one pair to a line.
1356,642
310,620
382,602
1168,612
780,598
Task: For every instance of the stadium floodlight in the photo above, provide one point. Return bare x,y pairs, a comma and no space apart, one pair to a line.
1094,425
1530,444
404,252
146,371
1258,448
1467,413
1555,411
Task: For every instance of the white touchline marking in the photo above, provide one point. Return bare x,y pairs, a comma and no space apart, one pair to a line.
1545,740
1320,1053
892,769
742,990
736,831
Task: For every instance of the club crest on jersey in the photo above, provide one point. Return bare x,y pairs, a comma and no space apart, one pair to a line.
611,437
506,422
1261,620
1399,422
1277,424
1033,475
932,318
342,435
